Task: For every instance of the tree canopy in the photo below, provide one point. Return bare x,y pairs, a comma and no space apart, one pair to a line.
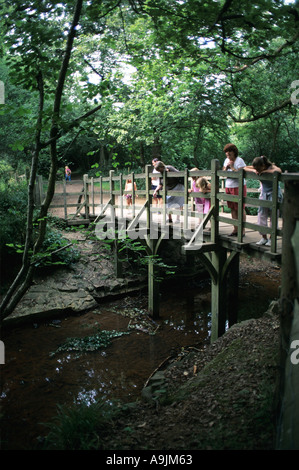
118,82
174,78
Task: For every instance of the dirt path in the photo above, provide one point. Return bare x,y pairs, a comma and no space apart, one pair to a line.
74,189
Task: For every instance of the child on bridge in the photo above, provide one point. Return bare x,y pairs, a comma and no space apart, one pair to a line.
129,187
262,165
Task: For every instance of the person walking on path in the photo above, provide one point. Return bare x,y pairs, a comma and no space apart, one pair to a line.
67,173
262,165
233,163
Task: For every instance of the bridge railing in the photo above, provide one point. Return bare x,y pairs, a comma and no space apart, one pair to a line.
111,189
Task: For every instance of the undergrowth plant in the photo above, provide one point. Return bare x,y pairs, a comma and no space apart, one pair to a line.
80,426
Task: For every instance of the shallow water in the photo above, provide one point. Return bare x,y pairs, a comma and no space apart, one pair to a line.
33,381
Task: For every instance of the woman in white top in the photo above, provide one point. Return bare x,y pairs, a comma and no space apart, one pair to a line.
233,163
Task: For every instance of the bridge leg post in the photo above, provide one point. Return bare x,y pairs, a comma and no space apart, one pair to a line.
233,291
118,267
153,283
218,301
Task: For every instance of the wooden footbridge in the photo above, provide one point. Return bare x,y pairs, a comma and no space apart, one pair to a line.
102,201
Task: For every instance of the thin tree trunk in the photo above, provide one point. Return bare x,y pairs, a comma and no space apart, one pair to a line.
20,283
25,275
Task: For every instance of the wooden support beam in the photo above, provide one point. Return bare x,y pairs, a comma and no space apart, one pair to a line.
232,288
153,282
118,266
218,297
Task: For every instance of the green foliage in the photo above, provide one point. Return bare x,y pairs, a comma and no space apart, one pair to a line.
13,206
100,340
56,250
80,427
137,254
6,173
173,78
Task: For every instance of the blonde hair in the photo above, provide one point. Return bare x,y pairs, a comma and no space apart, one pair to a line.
202,183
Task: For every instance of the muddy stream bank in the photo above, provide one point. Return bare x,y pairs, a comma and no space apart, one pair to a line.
34,380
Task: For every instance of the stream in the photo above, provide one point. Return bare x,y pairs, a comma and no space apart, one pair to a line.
36,378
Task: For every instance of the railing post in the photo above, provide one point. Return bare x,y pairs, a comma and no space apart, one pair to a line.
111,187
133,194
86,195
274,213
186,195
147,195
92,194
164,197
215,166
240,204
101,190
121,196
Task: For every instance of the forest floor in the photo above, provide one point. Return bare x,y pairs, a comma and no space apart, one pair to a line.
223,397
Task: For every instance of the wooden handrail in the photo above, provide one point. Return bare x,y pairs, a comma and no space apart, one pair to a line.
217,194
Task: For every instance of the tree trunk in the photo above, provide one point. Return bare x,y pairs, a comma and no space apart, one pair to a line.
102,157
157,147
142,156
25,275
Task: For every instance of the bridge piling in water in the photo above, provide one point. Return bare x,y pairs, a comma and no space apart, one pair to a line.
218,251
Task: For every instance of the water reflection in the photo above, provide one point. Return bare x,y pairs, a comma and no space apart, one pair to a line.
33,382
87,397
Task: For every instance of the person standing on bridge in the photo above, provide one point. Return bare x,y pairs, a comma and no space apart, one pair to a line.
129,187
155,181
233,163
261,165
203,186
67,173
172,184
